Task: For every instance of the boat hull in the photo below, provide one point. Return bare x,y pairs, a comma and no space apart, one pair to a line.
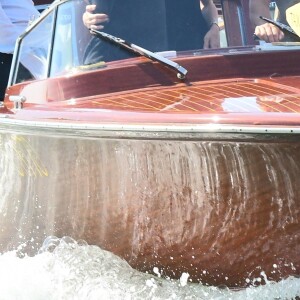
224,208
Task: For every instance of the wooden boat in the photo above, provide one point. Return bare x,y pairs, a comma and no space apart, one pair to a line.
197,175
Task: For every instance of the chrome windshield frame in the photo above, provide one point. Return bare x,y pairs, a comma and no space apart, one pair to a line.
52,8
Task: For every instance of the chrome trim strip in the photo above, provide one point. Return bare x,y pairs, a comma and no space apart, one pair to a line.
184,128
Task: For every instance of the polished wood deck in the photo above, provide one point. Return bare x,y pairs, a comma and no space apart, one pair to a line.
231,90
243,96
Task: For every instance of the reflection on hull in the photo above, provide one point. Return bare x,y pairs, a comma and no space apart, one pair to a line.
226,211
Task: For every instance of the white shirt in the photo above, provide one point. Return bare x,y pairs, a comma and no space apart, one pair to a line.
14,18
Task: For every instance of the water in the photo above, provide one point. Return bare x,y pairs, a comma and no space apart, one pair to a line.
65,269
222,182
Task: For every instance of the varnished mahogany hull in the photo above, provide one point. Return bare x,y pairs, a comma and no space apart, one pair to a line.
223,208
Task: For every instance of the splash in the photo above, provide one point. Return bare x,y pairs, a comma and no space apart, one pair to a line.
65,269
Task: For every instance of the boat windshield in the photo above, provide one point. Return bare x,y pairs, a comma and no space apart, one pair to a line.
59,42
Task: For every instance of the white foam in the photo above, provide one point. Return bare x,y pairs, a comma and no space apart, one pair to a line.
67,270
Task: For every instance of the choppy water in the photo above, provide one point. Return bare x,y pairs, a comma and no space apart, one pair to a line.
65,269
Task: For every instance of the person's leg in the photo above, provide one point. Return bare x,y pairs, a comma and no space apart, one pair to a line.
5,64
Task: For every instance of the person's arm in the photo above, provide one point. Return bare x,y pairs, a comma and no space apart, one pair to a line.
91,20
263,30
210,14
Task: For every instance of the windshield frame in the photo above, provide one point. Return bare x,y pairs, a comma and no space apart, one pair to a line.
53,8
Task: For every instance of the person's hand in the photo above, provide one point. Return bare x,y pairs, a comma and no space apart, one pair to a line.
212,37
91,20
269,33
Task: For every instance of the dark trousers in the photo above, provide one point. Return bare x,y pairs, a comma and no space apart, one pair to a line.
5,64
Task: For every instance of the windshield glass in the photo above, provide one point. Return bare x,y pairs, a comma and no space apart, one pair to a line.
62,42
155,25
35,53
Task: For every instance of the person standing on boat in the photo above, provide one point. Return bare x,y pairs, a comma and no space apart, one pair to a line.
156,25
266,31
14,18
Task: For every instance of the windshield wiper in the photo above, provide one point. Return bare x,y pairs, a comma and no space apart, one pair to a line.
282,27
181,72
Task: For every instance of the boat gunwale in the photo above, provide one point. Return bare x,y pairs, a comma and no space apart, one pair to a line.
184,128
